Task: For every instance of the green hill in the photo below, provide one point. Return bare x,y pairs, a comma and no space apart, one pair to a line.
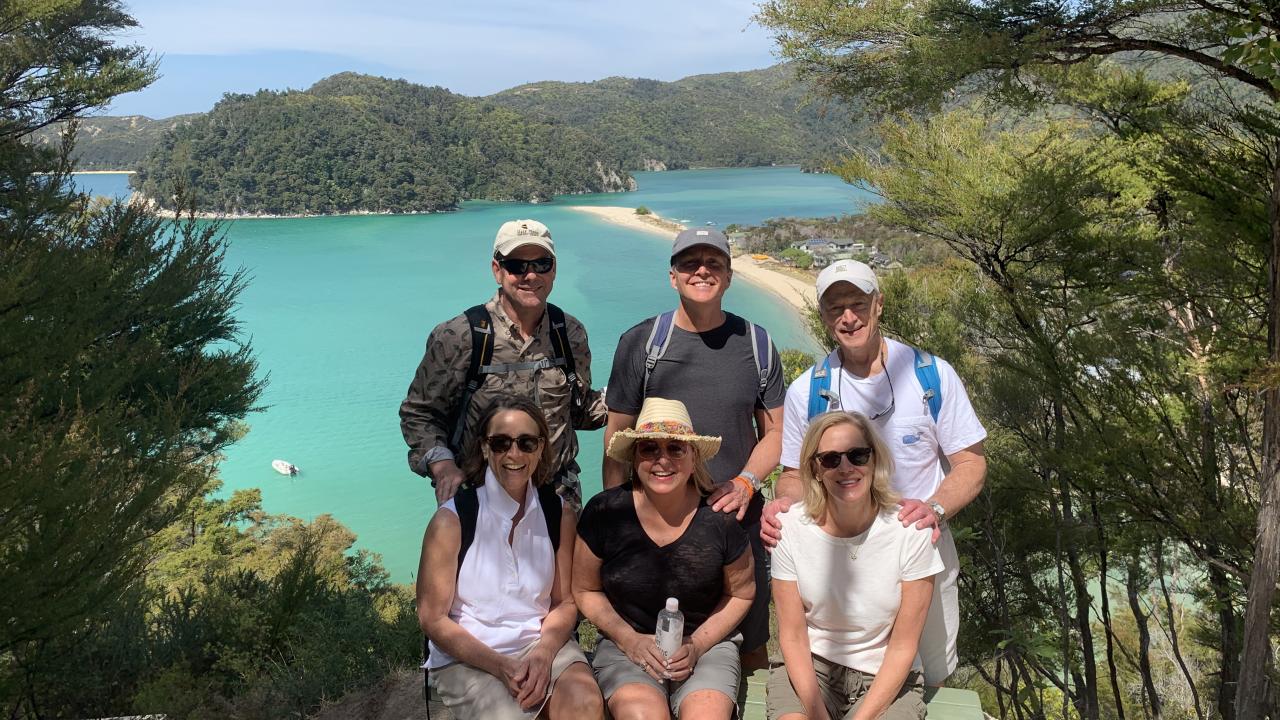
114,143
355,143
758,117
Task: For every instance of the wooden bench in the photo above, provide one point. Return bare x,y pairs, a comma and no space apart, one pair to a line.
942,703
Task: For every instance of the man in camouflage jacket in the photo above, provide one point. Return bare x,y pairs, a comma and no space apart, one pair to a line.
524,267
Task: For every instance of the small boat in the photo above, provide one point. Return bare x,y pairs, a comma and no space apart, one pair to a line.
711,223
284,467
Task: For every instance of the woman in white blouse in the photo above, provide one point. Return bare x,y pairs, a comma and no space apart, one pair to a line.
851,585
499,613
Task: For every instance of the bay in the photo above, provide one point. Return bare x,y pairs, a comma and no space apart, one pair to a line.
338,310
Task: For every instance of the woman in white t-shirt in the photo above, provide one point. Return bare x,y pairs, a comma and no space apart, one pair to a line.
851,585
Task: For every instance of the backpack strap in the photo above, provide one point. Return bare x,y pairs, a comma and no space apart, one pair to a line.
467,503
656,346
762,350
551,511
481,324
564,356
927,374
820,395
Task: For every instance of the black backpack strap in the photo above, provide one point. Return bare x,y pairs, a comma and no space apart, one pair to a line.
564,354
481,324
467,503
552,511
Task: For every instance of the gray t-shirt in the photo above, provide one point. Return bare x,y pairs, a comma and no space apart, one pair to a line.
713,374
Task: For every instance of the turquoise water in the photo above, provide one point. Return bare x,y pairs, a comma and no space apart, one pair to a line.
338,311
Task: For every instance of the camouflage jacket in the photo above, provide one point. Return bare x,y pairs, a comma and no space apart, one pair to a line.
441,376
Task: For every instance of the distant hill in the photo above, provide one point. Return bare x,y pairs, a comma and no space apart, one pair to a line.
114,142
758,117
356,143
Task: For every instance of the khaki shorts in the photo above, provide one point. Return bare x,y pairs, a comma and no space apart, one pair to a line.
718,669
470,692
842,692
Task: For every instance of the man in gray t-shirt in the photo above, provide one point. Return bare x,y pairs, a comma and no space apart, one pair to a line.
710,366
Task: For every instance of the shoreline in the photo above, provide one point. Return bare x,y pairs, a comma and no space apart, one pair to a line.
795,292
104,172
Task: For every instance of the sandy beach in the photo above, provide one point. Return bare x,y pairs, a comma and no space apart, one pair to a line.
797,293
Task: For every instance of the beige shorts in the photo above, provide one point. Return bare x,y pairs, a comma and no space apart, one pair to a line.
718,669
470,692
842,692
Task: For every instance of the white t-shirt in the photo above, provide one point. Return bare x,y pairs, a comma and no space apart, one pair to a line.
504,590
850,604
919,444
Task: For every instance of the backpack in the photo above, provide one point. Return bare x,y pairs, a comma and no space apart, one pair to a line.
481,323
660,337
467,503
820,395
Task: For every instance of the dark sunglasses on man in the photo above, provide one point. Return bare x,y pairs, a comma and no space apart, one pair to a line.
516,266
857,456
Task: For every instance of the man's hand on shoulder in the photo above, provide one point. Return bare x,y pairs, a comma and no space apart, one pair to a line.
770,525
732,496
920,513
447,478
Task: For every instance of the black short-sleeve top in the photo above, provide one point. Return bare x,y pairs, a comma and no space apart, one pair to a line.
638,576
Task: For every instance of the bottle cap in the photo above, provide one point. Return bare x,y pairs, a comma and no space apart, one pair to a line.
673,605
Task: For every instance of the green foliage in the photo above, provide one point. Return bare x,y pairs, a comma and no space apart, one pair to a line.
249,615
354,143
112,143
912,249
642,210
799,258
759,117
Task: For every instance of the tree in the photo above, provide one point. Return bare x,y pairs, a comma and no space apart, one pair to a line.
909,54
121,368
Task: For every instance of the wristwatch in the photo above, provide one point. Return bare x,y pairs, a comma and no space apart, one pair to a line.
939,512
751,478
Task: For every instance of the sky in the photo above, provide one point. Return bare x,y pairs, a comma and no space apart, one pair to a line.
474,47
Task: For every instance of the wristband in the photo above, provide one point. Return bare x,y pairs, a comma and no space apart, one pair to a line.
746,484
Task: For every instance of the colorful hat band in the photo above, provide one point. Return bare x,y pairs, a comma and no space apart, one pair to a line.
670,427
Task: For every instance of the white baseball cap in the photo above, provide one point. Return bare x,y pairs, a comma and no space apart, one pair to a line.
858,274
516,233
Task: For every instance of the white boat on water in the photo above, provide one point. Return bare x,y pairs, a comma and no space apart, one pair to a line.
284,467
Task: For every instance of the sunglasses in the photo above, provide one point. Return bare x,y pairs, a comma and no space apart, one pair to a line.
502,443
516,266
653,449
858,456
691,265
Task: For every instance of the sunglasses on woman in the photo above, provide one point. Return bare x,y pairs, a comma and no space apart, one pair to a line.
653,449
830,460
502,443
516,266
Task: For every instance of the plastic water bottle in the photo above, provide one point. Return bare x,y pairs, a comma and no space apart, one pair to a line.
670,634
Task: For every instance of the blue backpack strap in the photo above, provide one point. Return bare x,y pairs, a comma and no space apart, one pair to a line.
656,346
762,350
927,374
820,388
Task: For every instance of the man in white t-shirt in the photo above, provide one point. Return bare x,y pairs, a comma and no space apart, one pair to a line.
939,462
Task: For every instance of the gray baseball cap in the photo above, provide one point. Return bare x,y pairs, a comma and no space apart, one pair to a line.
693,237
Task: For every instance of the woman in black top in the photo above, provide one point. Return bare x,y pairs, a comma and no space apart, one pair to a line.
656,538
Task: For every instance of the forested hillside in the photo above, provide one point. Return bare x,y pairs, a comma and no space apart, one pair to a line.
355,143
113,143
749,118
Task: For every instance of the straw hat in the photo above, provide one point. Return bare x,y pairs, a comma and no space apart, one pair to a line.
662,419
